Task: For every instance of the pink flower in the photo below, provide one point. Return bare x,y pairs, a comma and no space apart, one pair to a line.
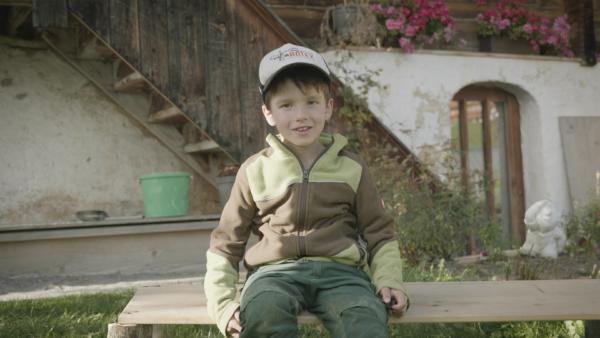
568,53
502,24
535,45
410,31
390,11
377,8
394,24
406,45
448,34
413,22
527,28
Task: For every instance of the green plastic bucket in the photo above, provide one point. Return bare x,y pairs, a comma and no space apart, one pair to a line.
166,194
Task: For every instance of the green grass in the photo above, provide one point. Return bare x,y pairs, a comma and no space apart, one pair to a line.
71,316
89,316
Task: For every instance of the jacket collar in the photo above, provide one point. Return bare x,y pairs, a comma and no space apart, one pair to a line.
333,142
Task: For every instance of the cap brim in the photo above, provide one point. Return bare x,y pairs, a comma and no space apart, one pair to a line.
264,88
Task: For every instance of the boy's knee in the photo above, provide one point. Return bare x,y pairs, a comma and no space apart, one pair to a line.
269,313
364,313
364,321
270,306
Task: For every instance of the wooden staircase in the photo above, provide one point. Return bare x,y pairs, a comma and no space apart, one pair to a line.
138,98
186,71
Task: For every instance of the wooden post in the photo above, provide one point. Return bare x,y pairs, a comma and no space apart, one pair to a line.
592,328
589,36
116,330
463,130
487,160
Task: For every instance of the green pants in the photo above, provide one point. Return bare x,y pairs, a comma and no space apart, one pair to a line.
341,296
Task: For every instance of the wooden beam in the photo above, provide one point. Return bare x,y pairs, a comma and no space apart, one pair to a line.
273,21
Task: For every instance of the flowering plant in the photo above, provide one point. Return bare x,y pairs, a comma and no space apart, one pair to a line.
509,18
414,22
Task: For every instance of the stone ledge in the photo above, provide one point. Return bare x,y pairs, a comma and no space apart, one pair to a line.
14,233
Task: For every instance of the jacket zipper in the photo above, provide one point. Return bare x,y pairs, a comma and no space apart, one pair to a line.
302,213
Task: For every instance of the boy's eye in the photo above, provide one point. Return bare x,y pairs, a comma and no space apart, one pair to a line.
285,105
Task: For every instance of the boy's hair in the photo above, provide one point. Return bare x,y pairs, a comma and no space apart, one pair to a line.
287,57
303,77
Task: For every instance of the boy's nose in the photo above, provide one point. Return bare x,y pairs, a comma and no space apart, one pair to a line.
301,113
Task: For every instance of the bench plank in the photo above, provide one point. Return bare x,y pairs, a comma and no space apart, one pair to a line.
430,302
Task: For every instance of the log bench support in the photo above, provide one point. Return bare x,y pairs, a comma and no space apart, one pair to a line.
152,308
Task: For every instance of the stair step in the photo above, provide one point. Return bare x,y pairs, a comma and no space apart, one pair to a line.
165,115
206,146
133,81
94,49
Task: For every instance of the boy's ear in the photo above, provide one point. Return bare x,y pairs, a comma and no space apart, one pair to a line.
329,108
268,115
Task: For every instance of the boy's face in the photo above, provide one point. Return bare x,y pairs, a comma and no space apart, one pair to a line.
299,116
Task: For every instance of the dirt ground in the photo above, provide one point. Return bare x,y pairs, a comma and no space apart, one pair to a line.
582,265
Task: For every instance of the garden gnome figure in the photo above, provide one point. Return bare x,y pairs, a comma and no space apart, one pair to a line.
545,235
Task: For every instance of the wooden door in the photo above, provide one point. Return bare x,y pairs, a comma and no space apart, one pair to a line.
486,123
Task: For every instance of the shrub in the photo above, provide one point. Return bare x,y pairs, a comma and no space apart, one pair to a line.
433,219
583,227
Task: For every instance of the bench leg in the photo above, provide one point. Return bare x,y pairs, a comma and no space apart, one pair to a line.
116,330
592,328
158,331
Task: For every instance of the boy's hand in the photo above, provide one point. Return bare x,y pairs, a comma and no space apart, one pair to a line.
394,299
233,326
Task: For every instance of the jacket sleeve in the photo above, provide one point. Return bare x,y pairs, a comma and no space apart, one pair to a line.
377,228
227,245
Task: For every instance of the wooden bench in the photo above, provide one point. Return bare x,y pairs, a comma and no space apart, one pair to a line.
431,302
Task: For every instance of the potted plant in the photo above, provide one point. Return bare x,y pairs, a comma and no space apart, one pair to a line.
350,22
414,23
510,21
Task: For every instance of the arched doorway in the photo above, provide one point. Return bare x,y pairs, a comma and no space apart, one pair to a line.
486,135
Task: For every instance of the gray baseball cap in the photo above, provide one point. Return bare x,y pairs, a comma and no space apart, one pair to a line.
287,56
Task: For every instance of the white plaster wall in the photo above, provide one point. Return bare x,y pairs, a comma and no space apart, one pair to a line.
65,147
416,90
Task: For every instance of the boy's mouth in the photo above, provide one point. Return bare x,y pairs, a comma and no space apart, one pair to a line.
302,129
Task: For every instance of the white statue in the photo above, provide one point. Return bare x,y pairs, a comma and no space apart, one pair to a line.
545,235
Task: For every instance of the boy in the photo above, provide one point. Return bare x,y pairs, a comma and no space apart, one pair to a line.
317,215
